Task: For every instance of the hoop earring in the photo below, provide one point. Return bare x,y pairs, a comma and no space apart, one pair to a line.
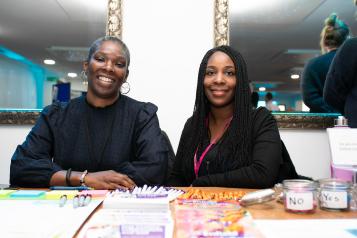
125,88
84,77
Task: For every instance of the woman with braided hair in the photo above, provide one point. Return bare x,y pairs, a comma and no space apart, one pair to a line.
226,142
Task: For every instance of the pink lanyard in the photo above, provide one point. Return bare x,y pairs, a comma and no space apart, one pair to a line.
197,164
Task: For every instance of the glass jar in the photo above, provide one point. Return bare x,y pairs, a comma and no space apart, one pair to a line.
335,194
300,196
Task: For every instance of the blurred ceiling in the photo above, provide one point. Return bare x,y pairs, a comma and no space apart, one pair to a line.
277,37
57,29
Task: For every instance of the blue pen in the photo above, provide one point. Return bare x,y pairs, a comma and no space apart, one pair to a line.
80,188
63,200
76,201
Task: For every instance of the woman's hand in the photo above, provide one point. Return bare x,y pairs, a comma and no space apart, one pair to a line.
108,180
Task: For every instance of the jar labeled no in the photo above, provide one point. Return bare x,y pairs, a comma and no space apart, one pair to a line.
300,196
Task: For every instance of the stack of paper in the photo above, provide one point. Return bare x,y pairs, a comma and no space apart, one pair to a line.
146,198
137,203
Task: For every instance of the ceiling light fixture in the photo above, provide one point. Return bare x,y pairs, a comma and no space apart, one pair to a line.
49,61
294,76
72,75
262,89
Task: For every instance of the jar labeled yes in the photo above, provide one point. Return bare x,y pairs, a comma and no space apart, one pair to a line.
335,194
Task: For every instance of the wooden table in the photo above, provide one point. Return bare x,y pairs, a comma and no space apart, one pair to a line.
275,210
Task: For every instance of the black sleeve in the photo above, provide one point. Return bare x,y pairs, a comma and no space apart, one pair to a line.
176,177
311,89
341,76
31,164
266,158
151,151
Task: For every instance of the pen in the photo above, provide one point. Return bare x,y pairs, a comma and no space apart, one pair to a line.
63,200
80,188
81,200
75,201
87,200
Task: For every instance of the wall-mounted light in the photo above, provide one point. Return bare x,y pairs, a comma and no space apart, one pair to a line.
262,89
72,75
294,76
49,61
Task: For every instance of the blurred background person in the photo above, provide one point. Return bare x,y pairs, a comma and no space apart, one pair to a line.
334,33
341,83
269,102
255,99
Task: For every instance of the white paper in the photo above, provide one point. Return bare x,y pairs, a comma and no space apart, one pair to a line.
299,201
42,218
343,145
332,199
326,228
118,223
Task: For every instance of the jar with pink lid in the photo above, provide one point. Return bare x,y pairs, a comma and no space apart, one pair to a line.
300,196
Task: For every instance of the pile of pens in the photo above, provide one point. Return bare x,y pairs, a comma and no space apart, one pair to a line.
78,200
149,192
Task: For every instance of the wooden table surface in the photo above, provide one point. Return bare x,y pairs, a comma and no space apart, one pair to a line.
275,210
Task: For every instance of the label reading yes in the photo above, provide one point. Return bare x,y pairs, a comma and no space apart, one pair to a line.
336,200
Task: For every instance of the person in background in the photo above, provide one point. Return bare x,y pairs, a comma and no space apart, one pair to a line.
227,143
255,99
269,102
334,33
104,140
341,83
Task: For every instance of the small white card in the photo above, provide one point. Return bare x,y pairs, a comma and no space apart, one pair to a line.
335,200
343,145
299,201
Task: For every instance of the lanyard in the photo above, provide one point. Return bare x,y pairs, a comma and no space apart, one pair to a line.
197,163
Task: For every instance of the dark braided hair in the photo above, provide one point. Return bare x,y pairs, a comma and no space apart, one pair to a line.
238,142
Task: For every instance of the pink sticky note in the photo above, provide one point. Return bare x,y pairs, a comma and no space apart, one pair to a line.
94,193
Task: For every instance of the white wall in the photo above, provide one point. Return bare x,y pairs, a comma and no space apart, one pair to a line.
10,137
167,40
309,150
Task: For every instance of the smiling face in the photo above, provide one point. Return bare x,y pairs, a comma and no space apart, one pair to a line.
220,80
106,72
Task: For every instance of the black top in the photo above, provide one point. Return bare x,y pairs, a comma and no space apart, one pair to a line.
341,84
313,80
269,164
124,137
